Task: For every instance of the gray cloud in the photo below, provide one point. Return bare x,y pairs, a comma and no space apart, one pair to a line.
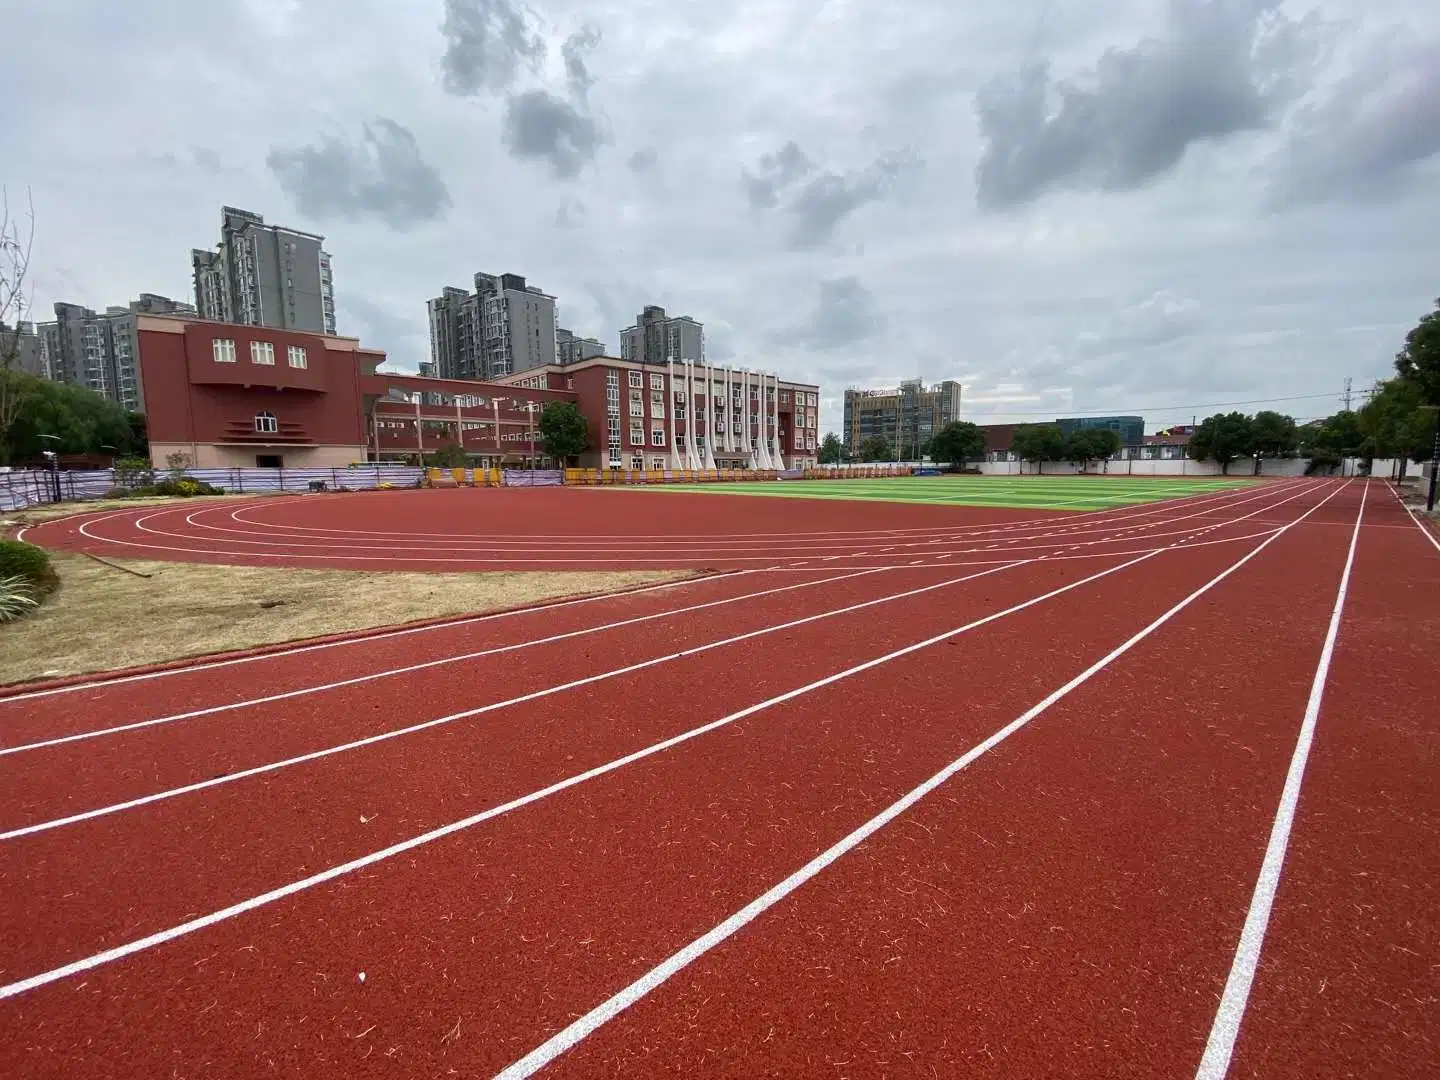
381,176
773,174
571,215
1365,139
573,51
846,313
543,127
643,160
819,204
1224,66
377,326
487,44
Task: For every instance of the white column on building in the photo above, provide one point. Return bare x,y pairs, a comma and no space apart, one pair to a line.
778,451
692,457
676,460
729,441
762,436
709,456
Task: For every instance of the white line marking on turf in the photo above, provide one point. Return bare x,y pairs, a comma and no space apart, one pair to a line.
356,680
1231,1011
161,937
535,695
607,1010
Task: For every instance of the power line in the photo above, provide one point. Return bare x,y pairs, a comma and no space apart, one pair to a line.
1163,408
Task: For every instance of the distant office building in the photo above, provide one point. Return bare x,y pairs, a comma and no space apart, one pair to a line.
25,341
504,326
265,275
906,417
657,337
570,349
1131,429
97,350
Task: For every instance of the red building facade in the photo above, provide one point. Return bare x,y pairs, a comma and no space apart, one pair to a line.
226,396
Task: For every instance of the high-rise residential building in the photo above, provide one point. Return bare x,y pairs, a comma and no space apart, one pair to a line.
657,337
905,417
504,326
97,350
24,342
265,275
570,349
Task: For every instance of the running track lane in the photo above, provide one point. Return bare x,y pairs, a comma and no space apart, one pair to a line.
370,532
1059,908
380,808
254,676
746,774
1347,982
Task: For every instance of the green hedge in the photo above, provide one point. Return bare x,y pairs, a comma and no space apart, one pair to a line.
27,561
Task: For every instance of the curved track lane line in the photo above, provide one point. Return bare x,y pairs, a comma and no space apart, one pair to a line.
607,1010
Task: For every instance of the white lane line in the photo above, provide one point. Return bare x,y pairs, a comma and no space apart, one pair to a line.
373,676
607,1010
1228,1016
535,695
150,941
1414,517
103,682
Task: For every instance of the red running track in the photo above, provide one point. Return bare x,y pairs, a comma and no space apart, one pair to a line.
668,869
568,528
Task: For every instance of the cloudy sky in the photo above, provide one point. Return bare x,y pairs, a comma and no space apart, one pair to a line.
1122,205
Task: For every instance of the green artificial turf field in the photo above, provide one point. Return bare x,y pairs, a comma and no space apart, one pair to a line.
1021,492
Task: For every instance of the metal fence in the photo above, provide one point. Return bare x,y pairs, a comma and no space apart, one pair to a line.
30,487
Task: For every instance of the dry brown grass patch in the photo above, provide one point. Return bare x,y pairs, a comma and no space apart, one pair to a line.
103,618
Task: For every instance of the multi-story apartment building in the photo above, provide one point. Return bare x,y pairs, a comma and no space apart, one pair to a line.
686,416
570,349
265,275
657,338
905,417
24,342
97,350
504,326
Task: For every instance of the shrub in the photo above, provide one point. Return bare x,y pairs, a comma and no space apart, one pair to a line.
131,473
26,561
18,596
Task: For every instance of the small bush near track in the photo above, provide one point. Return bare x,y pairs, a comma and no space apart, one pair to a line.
17,597
25,578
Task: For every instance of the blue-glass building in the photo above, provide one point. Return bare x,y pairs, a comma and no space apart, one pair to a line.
1131,429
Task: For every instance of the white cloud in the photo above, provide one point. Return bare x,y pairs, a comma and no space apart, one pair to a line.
1163,263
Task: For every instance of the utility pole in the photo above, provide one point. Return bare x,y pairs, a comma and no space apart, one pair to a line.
1346,398
1434,466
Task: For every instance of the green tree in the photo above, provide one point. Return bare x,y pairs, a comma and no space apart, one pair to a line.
1222,438
1339,435
958,442
832,451
1091,444
563,432
84,421
875,448
1039,443
1396,422
448,455
1418,363
1272,435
